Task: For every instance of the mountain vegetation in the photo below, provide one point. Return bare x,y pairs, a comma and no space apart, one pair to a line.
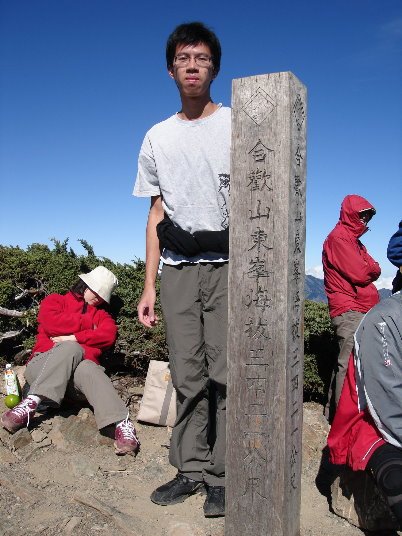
27,276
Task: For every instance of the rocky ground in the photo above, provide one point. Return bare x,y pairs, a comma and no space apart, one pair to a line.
62,478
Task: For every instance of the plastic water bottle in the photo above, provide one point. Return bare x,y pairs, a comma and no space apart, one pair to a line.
10,377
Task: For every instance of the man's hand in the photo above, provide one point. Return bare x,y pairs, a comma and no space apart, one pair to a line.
146,313
64,338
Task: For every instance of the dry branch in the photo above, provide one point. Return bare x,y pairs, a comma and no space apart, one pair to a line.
10,335
11,312
30,292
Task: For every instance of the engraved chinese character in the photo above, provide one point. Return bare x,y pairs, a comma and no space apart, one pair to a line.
297,185
293,462
262,299
293,456
257,388
257,353
296,303
294,364
296,270
259,152
299,113
258,179
258,268
297,248
257,371
293,418
256,331
255,441
255,486
259,237
295,330
257,214
257,423
295,383
298,156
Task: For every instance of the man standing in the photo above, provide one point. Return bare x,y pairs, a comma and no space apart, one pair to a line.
349,272
184,166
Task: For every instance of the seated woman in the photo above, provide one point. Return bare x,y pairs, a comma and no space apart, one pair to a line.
72,334
366,433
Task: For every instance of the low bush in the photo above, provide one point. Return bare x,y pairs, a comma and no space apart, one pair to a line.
26,277
320,350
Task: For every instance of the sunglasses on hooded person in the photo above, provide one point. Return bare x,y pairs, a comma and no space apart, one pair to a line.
366,215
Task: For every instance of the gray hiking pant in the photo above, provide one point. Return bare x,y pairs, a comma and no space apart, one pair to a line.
62,369
194,303
345,326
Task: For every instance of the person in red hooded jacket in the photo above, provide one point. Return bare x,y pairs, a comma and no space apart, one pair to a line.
349,272
72,334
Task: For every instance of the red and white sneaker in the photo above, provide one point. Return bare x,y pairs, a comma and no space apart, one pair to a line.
126,440
18,417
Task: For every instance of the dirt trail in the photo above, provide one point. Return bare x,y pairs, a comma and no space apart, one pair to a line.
63,478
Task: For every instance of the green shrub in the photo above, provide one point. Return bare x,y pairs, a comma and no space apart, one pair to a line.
320,350
42,271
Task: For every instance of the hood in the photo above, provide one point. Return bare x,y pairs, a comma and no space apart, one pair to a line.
349,216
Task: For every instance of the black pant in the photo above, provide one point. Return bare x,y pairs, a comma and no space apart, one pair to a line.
385,465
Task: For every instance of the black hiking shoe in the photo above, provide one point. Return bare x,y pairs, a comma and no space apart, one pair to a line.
214,505
175,491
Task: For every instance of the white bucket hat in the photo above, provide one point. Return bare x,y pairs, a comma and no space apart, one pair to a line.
101,281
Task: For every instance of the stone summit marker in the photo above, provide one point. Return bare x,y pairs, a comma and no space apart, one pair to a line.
266,294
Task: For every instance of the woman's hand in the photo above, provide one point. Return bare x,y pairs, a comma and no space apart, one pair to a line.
64,338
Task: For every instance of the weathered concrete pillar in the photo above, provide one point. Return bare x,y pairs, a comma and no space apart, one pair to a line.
266,284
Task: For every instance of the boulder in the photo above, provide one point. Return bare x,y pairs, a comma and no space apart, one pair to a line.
356,498
20,439
80,430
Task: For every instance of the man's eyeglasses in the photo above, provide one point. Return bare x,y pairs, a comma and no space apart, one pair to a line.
202,60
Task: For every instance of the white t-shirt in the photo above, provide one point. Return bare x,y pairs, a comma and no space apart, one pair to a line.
188,164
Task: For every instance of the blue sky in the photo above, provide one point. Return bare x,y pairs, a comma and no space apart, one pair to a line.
83,80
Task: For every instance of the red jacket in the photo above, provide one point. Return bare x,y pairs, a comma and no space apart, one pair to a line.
353,437
349,271
94,329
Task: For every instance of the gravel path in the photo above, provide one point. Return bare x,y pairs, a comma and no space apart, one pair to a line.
63,478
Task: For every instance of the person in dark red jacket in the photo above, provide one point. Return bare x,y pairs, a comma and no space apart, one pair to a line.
349,272
72,334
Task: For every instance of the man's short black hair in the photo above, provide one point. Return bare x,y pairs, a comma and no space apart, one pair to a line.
193,33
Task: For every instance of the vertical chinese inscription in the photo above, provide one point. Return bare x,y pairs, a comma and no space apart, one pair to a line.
297,202
257,299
